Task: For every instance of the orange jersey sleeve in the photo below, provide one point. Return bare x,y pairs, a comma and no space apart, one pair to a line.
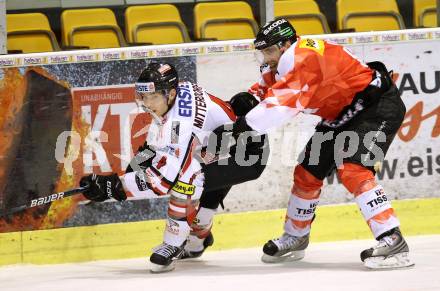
314,77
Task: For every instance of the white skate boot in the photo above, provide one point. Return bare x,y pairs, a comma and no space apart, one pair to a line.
195,246
163,257
391,252
285,248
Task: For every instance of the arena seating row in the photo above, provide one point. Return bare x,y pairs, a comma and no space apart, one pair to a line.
162,23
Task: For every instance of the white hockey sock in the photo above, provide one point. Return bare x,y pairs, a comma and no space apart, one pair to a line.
299,215
200,228
203,221
377,211
176,232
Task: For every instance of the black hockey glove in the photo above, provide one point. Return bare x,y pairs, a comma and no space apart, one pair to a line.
220,139
242,103
102,187
142,159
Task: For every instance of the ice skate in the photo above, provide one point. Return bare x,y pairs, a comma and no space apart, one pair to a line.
391,252
285,248
163,257
195,246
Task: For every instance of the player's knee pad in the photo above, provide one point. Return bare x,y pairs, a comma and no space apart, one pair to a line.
305,185
356,178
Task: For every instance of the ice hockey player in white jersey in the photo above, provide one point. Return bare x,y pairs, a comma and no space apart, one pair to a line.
177,160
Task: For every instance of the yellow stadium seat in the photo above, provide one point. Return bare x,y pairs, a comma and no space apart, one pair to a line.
157,24
224,20
425,13
371,15
304,15
30,33
93,28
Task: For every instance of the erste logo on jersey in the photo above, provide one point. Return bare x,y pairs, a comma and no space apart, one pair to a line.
184,100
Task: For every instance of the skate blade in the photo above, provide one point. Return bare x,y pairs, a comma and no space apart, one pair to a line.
396,261
155,268
289,257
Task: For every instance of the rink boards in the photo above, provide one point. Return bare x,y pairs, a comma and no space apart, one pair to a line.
234,230
80,91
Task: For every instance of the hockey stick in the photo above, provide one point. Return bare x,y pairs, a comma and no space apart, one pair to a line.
44,200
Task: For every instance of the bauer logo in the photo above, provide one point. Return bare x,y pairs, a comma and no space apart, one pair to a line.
34,61
47,199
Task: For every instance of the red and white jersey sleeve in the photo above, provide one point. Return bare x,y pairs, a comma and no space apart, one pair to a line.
314,77
184,129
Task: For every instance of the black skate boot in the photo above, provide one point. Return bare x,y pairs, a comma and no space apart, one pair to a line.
193,242
285,248
391,252
163,257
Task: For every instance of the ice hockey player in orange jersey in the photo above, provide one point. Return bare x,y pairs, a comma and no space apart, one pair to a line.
355,101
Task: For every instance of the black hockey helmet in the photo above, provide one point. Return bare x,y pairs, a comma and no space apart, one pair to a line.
275,32
157,77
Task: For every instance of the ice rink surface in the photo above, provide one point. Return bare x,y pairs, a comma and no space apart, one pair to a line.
327,266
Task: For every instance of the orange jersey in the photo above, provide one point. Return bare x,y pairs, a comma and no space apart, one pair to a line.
314,77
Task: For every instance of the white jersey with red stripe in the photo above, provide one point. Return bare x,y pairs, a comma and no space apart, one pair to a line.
183,130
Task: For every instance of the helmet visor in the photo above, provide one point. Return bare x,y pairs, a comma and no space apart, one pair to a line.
267,54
